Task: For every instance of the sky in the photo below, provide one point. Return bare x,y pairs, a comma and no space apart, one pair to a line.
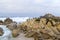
29,8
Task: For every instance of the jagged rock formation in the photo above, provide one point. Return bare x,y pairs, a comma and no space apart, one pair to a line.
50,16
46,27
8,21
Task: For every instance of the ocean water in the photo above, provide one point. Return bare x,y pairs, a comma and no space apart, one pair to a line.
16,19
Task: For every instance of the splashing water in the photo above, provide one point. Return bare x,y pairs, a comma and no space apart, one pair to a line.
17,19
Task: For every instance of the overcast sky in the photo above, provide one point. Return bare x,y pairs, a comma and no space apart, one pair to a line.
29,7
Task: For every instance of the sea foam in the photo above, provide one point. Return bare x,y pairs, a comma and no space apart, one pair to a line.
17,19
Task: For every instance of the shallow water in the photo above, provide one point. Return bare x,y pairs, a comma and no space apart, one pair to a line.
7,33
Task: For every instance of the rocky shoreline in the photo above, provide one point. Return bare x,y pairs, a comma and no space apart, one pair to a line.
45,27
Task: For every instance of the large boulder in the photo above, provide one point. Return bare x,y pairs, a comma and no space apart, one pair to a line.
1,32
8,21
15,32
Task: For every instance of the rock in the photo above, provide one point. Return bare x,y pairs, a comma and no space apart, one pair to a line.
43,20
1,22
49,24
49,15
46,36
12,26
50,39
53,28
58,27
1,32
53,22
15,32
7,21
45,25
29,34
37,19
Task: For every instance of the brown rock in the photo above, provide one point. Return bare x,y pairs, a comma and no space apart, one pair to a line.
30,34
49,15
43,20
15,32
8,21
54,23
46,36
1,22
49,24
12,26
58,27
